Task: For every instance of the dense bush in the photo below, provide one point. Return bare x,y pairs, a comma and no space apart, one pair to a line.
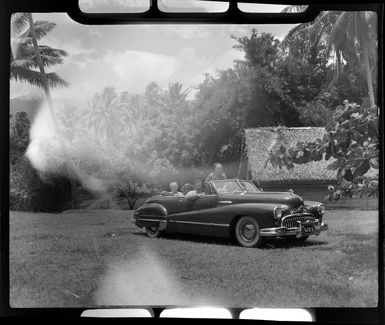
30,191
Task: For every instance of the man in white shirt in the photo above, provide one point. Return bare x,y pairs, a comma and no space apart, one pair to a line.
194,194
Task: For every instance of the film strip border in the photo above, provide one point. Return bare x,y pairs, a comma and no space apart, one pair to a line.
268,315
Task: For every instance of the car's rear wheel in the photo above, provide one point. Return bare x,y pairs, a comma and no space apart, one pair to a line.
152,231
247,232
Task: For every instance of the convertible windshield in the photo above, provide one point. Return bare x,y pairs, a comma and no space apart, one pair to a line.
249,187
227,187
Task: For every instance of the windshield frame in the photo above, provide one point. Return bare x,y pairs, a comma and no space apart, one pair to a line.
251,183
242,190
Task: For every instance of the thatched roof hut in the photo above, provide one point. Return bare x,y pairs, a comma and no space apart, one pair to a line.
260,140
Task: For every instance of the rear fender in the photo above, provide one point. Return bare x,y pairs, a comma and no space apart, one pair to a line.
151,214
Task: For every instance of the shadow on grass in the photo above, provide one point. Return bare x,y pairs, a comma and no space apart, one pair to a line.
191,238
278,243
285,243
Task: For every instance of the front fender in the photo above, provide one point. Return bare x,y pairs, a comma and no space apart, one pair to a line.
262,212
312,206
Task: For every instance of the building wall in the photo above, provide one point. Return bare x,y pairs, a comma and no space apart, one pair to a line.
317,192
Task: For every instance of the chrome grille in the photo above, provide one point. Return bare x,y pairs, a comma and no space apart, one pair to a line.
291,221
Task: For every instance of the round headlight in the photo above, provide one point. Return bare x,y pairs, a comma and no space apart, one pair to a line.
277,213
321,209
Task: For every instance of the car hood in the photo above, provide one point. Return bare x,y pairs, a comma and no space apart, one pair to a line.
285,199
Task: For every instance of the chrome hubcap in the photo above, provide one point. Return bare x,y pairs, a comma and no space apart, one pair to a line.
248,231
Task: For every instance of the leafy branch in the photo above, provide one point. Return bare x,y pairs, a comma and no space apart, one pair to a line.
351,144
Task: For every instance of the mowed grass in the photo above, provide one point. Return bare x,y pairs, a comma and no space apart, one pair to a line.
88,258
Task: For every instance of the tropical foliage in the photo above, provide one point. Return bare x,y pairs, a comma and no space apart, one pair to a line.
29,189
351,139
18,135
351,36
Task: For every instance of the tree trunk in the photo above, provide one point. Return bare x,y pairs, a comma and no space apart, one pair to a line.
52,112
338,57
368,74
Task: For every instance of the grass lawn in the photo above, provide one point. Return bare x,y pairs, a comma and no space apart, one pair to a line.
87,258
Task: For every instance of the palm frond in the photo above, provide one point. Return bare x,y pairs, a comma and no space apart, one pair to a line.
41,27
47,50
338,32
322,19
293,31
34,77
22,63
49,56
55,81
19,21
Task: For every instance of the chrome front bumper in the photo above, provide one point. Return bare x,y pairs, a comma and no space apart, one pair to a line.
299,231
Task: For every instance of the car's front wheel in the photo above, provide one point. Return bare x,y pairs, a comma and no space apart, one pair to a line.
152,231
247,232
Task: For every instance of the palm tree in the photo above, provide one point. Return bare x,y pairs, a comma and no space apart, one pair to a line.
174,98
23,57
105,115
346,33
45,84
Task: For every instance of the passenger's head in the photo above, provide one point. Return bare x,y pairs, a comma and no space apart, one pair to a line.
173,187
218,168
187,188
198,185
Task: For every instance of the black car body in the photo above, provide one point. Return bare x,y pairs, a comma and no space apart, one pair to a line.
233,208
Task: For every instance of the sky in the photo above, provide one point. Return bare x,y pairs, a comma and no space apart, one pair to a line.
129,57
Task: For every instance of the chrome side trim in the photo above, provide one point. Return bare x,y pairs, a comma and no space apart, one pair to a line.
201,223
142,219
225,202
162,222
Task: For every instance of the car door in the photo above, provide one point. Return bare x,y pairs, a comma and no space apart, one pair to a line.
194,216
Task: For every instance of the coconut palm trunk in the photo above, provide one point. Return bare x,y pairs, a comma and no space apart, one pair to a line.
368,73
70,170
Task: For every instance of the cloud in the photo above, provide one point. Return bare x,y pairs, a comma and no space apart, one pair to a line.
130,71
78,53
188,31
133,70
137,68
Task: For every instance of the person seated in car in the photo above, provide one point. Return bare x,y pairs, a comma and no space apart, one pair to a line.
174,190
187,188
194,194
218,173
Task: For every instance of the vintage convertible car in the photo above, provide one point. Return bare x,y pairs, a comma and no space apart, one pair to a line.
233,208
